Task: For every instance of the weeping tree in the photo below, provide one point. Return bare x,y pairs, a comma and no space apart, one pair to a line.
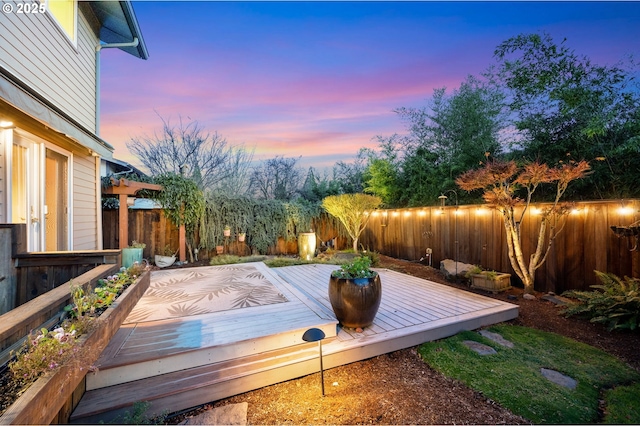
500,181
182,202
353,211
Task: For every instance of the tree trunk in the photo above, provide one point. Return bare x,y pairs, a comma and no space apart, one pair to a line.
516,257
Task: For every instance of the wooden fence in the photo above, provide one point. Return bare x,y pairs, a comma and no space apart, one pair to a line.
470,233
146,226
475,234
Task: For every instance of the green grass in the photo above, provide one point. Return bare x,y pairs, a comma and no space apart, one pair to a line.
278,262
622,405
226,259
512,376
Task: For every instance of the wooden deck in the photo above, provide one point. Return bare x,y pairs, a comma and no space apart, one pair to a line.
182,362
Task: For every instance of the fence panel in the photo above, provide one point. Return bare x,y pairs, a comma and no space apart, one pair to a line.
475,234
471,234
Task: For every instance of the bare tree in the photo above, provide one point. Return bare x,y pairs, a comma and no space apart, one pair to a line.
239,173
277,178
186,149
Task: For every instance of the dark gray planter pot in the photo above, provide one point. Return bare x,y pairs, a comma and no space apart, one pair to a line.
355,301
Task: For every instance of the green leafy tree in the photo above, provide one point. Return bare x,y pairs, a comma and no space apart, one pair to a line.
446,138
500,181
316,187
353,211
380,176
561,102
381,179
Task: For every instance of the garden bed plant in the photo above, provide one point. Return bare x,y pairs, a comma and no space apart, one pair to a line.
63,354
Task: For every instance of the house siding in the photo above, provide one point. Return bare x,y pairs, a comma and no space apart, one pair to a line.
85,214
36,51
3,176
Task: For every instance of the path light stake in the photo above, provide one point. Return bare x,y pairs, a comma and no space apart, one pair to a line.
316,335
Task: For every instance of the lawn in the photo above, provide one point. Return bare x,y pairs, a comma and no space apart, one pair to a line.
512,376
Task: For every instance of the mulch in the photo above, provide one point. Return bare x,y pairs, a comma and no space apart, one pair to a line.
399,388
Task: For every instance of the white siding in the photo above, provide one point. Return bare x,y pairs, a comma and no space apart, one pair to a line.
84,203
36,51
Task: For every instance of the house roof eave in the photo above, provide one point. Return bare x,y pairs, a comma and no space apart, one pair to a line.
118,24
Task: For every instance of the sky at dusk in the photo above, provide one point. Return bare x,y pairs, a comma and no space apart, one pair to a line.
321,79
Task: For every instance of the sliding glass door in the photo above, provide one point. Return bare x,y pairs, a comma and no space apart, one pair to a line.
40,193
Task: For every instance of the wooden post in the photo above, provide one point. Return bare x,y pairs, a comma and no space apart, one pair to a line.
123,219
182,233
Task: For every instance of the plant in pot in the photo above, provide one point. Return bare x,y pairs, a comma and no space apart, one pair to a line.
220,244
489,280
166,258
227,231
355,292
241,237
132,254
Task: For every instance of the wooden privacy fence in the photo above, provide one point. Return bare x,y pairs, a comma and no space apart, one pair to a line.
150,226
475,234
146,226
470,233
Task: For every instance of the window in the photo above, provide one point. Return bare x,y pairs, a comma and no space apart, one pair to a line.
65,13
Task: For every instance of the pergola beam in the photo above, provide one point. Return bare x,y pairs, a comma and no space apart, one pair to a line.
124,188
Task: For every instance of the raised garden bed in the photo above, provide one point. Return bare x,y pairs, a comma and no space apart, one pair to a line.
494,282
52,398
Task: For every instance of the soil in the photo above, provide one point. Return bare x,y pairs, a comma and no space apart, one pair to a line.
399,388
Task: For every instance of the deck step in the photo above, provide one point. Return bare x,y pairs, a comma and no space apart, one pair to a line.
115,371
182,389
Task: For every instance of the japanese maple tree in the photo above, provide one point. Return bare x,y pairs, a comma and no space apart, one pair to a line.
501,181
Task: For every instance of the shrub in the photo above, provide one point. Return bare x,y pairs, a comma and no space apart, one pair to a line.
615,303
373,256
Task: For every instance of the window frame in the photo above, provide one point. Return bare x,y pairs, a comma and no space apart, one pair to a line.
71,39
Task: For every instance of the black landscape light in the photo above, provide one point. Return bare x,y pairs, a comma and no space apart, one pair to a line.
316,335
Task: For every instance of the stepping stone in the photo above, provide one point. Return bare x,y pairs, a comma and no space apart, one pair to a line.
559,378
555,299
479,348
231,414
496,338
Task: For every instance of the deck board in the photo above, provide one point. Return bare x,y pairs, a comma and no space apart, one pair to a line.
409,305
224,353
